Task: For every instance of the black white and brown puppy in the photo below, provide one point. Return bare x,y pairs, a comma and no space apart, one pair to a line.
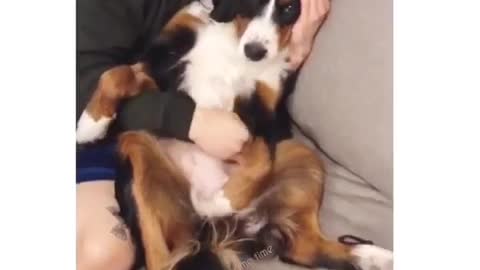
234,58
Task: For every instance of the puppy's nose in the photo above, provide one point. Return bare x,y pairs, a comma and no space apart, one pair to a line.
255,51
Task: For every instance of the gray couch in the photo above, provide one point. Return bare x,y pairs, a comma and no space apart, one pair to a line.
344,102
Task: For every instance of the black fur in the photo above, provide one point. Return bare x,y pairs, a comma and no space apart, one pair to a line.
128,208
273,126
162,57
205,259
225,10
259,120
271,235
287,14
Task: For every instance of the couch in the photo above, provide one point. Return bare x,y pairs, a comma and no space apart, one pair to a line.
344,104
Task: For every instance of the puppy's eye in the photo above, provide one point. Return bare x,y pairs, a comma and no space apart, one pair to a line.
287,8
288,12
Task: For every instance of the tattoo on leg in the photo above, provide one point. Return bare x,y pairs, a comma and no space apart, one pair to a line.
120,230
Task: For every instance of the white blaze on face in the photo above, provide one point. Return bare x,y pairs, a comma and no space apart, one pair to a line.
263,30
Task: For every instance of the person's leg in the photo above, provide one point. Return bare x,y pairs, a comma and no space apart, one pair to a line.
103,241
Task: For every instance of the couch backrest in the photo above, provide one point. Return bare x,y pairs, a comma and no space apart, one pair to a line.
344,92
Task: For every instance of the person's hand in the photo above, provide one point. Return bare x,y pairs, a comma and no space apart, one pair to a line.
218,132
312,15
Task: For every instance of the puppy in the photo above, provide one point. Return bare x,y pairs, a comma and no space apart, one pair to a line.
247,78
234,58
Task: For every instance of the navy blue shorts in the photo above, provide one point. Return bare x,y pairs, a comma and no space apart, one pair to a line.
97,162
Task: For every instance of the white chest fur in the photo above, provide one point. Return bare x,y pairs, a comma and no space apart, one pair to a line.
218,71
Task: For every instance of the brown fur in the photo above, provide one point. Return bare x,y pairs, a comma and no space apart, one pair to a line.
161,195
183,19
247,180
116,84
269,96
294,207
241,24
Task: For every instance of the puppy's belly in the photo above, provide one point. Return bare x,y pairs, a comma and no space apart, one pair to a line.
207,176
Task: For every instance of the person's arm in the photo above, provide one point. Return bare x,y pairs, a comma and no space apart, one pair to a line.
167,114
109,33
312,15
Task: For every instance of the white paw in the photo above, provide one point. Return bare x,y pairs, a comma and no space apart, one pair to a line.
200,10
254,225
370,257
89,130
216,206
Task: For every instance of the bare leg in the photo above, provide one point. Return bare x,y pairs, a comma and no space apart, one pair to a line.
103,242
208,174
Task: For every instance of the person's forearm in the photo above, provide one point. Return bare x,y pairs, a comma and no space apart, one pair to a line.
167,114
106,33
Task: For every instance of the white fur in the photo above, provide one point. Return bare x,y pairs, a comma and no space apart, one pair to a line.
216,206
89,130
262,29
253,226
208,175
218,72
370,257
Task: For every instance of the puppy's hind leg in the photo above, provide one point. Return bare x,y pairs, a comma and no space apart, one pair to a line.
304,244
160,197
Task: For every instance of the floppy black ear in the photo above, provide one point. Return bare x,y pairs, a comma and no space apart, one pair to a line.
224,10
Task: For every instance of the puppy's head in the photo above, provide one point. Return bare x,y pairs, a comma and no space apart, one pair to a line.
264,27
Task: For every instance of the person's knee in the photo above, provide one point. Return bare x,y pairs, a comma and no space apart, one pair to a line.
105,253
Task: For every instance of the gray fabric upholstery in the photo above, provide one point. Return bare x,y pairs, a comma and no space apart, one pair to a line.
344,94
352,206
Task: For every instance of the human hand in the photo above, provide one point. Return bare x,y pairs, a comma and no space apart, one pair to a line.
313,13
218,132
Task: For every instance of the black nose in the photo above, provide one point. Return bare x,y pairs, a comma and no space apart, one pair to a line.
255,51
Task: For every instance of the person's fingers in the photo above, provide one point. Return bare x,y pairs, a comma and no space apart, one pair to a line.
304,13
325,9
237,158
244,135
242,130
312,8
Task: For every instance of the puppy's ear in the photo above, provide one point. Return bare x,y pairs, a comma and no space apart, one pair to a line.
224,10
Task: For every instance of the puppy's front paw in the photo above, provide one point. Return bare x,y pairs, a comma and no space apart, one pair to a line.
89,130
216,206
370,257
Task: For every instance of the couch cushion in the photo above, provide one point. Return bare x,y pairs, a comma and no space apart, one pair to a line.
350,206
344,92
